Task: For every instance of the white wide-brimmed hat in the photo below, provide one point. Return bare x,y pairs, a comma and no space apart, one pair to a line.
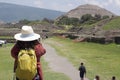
27,34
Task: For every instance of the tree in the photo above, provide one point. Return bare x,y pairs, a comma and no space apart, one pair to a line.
68,21
24,21
74,21
86,17
105,17
48,20
97,17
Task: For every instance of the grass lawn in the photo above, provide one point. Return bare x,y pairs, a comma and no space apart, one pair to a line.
99,59
6,66
113,24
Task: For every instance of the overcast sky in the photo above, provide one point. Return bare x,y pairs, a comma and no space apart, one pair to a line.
67,5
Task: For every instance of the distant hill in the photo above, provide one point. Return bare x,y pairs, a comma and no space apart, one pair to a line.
13,12
88,9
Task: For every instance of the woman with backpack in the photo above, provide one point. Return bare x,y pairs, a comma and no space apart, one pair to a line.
27,40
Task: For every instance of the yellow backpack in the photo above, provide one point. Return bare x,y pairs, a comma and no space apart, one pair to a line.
27,65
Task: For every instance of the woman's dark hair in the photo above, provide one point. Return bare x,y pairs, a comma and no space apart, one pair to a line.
27,44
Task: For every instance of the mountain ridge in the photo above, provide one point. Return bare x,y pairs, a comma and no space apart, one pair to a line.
13,12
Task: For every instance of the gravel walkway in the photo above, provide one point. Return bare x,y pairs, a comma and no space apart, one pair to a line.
60,64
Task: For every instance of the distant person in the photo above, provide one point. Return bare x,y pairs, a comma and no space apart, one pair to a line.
97,77
82,70
25,41
113,78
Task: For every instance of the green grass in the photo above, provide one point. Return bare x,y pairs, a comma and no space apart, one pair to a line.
6,66
113,24
6,63
98,58
6,37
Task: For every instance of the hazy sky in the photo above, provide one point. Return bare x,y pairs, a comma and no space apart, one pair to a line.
66,5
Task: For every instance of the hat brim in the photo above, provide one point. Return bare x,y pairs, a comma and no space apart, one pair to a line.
29,37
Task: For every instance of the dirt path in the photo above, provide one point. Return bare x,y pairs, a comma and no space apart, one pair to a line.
60,64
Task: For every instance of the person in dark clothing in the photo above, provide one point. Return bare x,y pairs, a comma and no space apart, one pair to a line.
97,77
82,70
113,78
